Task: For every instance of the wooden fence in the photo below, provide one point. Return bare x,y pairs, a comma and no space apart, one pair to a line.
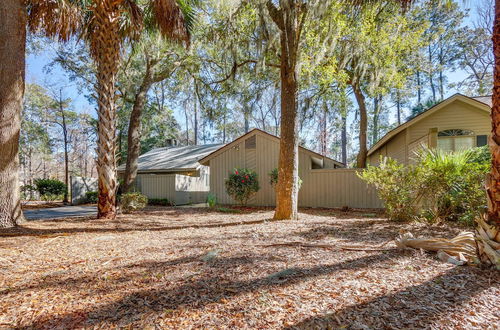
337,188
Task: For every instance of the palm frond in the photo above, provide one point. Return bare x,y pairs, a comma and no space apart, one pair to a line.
170,19
55,18
132,20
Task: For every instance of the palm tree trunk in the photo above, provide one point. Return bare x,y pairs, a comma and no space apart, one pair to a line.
105,50
488,232
12,73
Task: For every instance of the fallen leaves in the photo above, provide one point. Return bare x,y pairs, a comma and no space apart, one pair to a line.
191,268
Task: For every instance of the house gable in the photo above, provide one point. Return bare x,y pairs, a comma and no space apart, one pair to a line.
456,110
273,139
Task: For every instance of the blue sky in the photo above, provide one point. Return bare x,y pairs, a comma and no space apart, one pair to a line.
36,64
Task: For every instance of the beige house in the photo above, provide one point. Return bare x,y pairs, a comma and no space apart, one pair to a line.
174,173
326,183
457,123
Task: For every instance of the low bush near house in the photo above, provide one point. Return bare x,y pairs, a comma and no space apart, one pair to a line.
160,202
242,185
133,201
273,178
28,192
439,186
452,184
91,197
50,189
211,200
393,183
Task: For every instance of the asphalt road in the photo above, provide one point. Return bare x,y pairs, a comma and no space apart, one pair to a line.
60,212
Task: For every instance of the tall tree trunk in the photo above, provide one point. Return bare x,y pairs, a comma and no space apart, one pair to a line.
431,75
343,138
134,134
441,66
419,89
66,168
195,121
287,20
363,126
492,225
12,73
398,106
246,118
106,49
65,140
224,128
186,117
376,115
323,135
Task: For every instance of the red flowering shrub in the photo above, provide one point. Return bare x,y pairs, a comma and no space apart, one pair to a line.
242,184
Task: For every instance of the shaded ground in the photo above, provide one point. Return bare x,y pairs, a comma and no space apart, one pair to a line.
33,205
189,268
60,212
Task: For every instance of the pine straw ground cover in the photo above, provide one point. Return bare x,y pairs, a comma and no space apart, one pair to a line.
192,268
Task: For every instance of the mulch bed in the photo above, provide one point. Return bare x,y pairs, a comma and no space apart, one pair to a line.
194,268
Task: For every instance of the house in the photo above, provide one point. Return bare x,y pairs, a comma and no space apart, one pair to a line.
457,123
174,173
325,181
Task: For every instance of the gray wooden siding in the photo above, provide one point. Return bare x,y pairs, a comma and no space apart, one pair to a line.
179,189
336,188
320,188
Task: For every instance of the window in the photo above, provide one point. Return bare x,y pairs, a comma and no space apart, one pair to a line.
456,139
481,140
316,163
250,143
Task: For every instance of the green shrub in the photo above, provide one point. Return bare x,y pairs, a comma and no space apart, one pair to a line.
242,184
393,183
440,186
133,201
160,202
480,155
273,178
28,192
453,184
211,200
91,197
50,186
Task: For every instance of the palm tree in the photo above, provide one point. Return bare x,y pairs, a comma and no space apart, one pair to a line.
112,22
105,25
488,230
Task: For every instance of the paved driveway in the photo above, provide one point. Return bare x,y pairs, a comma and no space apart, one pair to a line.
60,212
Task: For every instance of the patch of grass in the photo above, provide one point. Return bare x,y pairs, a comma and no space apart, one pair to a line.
227,210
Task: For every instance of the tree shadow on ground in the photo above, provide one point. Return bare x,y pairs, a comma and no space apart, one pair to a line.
418,306
202,291
377,230
129,272
98,226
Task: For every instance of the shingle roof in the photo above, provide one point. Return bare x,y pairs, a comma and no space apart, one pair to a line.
484,99
171,159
